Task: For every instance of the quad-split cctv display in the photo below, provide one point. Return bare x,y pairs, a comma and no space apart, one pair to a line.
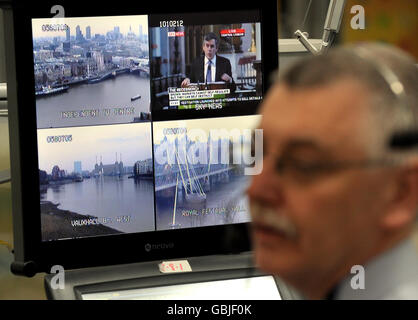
103,86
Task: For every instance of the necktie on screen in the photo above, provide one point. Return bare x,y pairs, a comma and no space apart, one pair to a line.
209,73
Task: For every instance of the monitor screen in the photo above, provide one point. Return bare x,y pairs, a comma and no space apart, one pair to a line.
105,166
139,123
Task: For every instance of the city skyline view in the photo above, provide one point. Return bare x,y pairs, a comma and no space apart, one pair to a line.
79,167
98,25
133,141
98,63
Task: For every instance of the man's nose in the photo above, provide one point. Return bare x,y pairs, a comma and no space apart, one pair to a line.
266,186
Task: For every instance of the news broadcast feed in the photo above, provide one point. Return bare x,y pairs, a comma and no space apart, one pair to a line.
180,49
96,81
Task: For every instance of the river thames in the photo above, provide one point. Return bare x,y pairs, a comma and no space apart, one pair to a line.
113,95
130,200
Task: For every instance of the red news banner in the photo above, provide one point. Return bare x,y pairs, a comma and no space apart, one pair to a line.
224,33
232,33
176,34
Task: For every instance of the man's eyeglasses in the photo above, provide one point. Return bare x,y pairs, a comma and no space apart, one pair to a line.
306,171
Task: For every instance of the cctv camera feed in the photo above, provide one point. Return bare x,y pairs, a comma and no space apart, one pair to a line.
106,167
91,71
96,180
207,61
201,171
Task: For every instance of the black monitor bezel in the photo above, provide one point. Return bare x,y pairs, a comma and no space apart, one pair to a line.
32,255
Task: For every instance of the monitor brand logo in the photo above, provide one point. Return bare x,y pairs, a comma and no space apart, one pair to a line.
158,246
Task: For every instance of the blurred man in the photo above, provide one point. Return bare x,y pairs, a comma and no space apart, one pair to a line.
210,67
332,195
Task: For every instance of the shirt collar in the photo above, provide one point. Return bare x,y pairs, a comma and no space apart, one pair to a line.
213,61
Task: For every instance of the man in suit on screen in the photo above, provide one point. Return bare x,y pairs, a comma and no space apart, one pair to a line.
210,67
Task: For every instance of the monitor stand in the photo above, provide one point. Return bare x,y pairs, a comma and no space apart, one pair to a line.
236,275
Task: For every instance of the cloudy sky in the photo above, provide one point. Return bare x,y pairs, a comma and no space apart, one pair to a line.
100,25
133,141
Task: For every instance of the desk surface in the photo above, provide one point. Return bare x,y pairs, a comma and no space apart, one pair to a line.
11,286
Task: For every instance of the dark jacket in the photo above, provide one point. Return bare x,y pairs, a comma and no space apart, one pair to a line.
222,66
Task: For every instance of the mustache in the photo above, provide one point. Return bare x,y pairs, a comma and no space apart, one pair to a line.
267,217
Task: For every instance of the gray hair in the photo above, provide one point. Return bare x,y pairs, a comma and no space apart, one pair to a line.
390,113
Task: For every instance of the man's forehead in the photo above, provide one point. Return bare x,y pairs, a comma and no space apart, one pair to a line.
327,115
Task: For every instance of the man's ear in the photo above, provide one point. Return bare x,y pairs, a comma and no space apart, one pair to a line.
403,207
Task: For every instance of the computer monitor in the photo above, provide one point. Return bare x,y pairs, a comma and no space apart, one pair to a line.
129,127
